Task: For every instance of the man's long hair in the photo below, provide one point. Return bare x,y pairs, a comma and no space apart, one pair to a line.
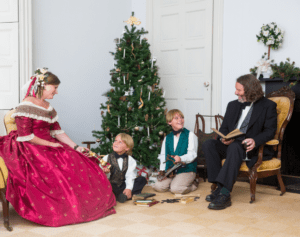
252,87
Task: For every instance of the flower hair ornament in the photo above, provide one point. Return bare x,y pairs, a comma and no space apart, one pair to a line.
37,80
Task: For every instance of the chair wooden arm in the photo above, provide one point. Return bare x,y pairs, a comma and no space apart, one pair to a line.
88,143
260,156
273,142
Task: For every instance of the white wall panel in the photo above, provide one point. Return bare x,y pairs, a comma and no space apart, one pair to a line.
195,24
74,43
9,65
169,27
9,10
168,64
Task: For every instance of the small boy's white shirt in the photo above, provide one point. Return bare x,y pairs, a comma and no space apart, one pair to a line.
130,173
187,158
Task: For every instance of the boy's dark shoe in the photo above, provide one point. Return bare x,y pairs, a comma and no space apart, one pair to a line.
122,198
213,195
221,202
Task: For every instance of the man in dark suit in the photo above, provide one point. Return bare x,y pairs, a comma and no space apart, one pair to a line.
255,116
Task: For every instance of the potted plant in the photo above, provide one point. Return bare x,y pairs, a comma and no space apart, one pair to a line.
271,35
287,71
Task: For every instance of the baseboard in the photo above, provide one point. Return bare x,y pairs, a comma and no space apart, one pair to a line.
292,183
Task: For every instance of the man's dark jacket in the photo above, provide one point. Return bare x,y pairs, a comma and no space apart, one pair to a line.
262,126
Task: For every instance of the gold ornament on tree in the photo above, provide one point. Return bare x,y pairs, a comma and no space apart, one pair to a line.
108,109
146,117
132,50
107,129
141,101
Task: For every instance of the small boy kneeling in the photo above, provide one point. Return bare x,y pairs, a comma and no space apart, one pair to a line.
181,145
123,169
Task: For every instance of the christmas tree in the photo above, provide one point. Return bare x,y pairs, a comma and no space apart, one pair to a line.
135,103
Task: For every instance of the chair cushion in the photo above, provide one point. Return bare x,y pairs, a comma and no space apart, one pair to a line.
9,122
283,107
266,165
5,173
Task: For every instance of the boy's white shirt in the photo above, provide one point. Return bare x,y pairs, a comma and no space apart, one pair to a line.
187,158
130,173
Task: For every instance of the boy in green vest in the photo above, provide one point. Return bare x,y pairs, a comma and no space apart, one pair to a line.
181,145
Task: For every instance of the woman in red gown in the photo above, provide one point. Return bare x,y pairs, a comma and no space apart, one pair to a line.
50,181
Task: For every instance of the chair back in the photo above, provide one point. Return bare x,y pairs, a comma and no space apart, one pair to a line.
284,98
9,122
202,136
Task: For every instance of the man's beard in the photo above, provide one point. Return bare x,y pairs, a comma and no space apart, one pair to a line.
241,100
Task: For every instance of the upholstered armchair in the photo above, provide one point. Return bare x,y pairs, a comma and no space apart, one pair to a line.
284,98
9,125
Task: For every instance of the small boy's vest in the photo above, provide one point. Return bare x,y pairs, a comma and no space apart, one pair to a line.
117,176
181,149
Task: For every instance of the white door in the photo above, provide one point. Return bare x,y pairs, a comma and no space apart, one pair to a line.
9,54
9,11
182,44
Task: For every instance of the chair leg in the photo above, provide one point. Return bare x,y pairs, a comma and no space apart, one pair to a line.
5,207
252,177
282,186
205,174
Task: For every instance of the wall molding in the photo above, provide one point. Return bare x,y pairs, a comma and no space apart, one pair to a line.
25,43
217,57
149,21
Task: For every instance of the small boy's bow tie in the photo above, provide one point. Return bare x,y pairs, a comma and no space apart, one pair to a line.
120,156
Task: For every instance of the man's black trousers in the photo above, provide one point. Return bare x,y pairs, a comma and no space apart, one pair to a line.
215,151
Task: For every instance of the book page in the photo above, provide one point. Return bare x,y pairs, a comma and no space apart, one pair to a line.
232,134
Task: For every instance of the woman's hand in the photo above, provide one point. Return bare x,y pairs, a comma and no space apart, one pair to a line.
56,144
106,170
81,149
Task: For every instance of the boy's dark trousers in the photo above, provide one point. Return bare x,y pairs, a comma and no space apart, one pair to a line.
138,186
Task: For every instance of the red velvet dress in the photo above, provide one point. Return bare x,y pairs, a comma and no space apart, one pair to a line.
48,185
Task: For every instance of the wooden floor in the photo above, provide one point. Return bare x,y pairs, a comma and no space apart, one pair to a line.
270,215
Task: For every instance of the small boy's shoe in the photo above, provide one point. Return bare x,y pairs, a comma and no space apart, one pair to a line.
122,198
221,202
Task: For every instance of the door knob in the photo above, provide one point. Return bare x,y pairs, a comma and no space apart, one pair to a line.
206,84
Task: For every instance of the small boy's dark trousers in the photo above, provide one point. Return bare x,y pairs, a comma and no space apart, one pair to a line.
138,186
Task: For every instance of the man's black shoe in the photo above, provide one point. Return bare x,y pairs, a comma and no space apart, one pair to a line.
221,202
122,198
213,195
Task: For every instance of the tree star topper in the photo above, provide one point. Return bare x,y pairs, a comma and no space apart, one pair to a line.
133,20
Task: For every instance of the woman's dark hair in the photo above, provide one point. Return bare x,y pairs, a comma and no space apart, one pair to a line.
252,87
51,80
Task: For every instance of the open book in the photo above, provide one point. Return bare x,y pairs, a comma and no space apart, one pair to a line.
232,134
